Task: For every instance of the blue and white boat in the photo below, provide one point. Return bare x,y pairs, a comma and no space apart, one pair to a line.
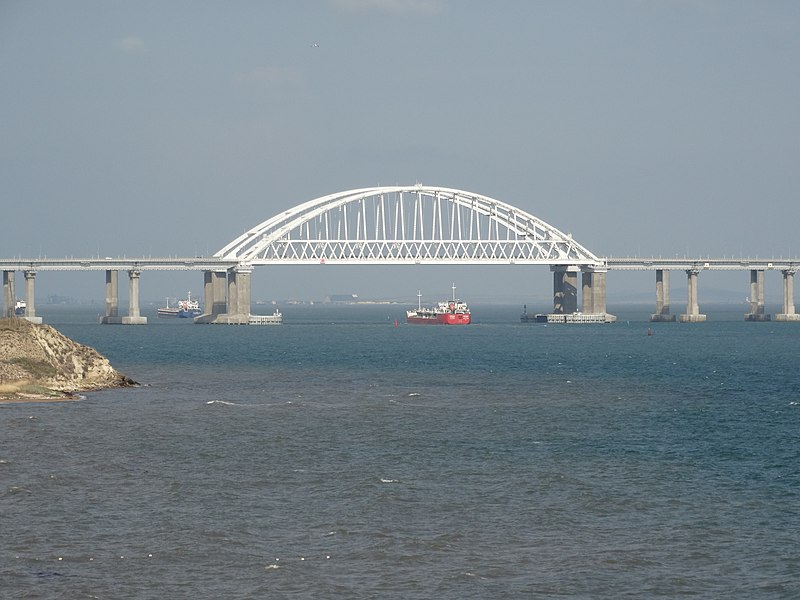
184,309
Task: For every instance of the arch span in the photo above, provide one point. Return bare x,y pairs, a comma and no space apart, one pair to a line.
414,224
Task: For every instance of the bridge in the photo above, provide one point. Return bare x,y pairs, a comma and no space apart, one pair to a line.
401,225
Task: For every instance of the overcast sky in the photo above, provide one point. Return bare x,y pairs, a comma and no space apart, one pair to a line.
649,128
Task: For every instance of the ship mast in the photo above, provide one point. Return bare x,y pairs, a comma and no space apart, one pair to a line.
454,292
419,299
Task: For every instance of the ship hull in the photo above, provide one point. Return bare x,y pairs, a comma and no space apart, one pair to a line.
179,313
440,319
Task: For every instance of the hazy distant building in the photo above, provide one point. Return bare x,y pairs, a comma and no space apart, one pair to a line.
341,299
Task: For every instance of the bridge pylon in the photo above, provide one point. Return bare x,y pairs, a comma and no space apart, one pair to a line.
662,314
227,296
593,295
788,312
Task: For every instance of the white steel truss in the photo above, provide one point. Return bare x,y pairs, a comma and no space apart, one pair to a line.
406,225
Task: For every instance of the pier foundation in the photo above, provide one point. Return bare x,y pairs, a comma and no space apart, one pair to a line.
662,298
112,299
134,317
593,295
692,314
215,284
30,298
756,297
238,308
788,311
9,299
565,290
565,297
227,297
112,316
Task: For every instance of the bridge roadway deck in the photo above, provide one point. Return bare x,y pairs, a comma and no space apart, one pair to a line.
712,264
214,264
116,264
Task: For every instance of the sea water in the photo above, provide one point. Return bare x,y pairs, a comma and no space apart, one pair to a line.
341,456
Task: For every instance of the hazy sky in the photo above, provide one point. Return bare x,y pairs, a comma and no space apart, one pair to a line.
649,128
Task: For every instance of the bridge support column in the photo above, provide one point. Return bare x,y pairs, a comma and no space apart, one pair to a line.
692,314
214,302
756,297
214,292
662,297
587,295
788,312
238,307
241,276
218,285
208,293
30,297
565,290
9,299
112,299
134,317
593,294
565,296
232,307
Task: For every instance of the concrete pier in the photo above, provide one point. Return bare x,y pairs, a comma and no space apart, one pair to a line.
565,290
692,314
112,316
112,299
112,293
30,298
788,310
214,296
565,296
134,317
214,284
587,292
593,293
227,296
662,298
756,297
9,300
238,308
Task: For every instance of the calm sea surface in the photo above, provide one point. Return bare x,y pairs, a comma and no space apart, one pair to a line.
339,456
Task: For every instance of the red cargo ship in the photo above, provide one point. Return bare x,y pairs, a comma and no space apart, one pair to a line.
454,312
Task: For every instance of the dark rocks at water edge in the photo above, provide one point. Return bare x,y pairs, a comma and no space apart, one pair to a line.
37,360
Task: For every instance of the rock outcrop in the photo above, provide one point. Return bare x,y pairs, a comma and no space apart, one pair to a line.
37,359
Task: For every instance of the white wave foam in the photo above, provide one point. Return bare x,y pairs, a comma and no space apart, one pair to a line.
389,480
225,402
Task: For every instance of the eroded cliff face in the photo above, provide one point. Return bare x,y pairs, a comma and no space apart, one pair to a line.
40,356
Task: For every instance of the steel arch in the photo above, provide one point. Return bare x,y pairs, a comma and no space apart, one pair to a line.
414,224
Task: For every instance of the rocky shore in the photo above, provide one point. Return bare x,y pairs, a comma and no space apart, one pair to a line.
38,363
